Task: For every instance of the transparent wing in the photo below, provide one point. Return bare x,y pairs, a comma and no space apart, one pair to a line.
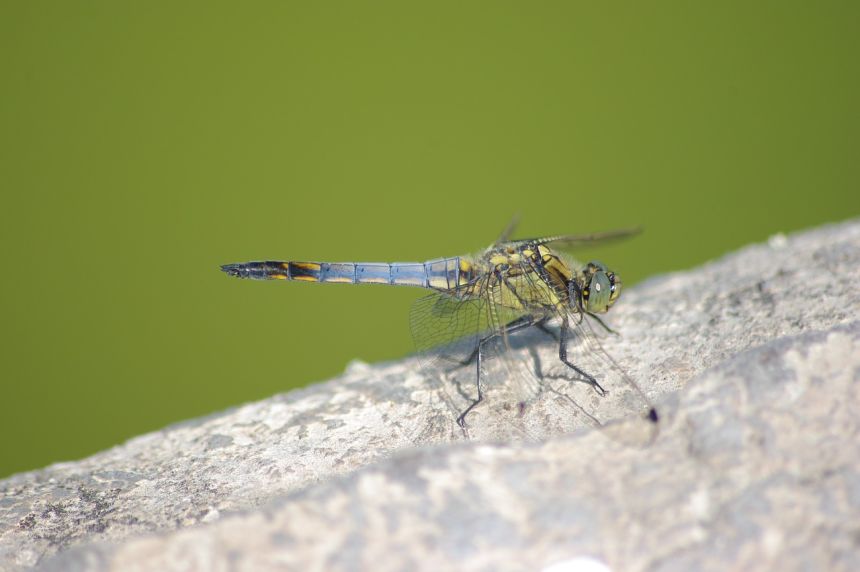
577,240
523,286
521,369
624,413
628,414
500,369
447,329
448,326
506,234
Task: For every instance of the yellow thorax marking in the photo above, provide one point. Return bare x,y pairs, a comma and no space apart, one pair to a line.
511,258
545,254
554,265
497,259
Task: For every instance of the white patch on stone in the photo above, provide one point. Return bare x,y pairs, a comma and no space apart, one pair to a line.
578,564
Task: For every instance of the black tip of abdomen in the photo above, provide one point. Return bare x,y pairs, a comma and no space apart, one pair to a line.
237,270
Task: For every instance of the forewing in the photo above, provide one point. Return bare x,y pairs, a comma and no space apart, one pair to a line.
571,241
625,413
629,417
529,288
448,327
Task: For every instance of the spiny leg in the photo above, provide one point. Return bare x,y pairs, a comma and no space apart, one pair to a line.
461,420
518,324
541,325
562,355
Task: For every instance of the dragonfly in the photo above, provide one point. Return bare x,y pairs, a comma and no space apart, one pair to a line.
478,303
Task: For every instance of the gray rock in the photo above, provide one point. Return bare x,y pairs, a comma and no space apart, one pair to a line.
753,362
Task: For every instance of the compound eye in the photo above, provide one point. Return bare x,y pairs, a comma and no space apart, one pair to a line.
600,293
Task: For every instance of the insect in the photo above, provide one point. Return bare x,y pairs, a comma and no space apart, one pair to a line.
477,304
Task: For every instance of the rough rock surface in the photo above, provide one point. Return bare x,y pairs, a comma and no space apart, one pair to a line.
753,362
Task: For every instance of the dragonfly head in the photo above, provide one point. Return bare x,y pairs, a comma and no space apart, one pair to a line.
600,287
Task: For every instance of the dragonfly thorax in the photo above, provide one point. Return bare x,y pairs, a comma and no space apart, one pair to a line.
529,266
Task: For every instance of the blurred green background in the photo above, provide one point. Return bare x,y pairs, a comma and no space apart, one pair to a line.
145,143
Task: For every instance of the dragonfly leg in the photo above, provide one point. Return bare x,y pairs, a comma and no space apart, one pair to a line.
511,327
541,325
518,324
562,355
471,358
461,420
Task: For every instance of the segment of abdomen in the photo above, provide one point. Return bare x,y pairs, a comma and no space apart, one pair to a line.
442,274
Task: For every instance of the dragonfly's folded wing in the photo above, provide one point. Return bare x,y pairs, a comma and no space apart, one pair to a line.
506,234
576,240
626,400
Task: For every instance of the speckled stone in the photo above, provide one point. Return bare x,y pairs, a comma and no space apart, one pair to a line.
753,362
